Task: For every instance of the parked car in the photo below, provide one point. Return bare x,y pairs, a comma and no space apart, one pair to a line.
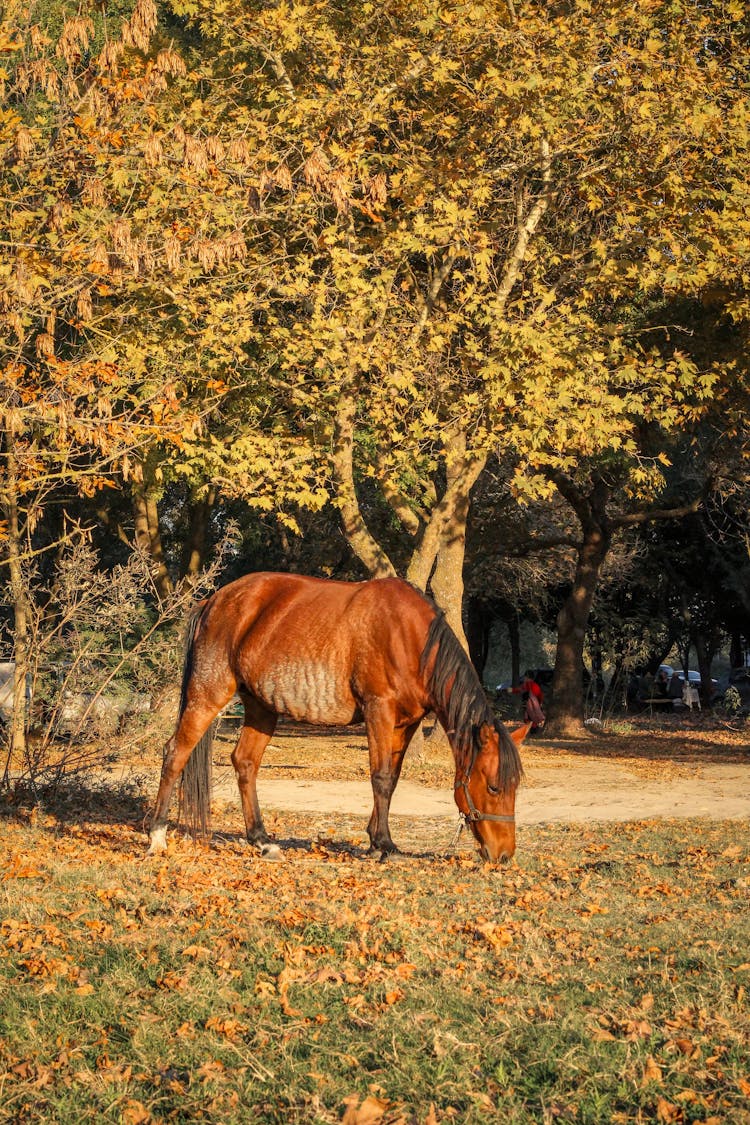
80,713
74,712
7,674
7,683
694,677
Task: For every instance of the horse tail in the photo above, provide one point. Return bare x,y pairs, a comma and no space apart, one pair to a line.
195,787
195,790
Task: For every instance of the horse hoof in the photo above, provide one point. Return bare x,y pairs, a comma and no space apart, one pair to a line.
271,852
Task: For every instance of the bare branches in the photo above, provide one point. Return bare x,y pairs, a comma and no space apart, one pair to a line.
536,545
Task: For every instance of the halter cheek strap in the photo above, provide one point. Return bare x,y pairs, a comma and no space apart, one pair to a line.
474,814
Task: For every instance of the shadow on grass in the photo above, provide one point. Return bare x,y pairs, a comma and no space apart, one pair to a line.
682,737
100,805
699,740
78,800
325,848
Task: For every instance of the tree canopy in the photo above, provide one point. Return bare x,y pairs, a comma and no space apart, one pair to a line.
313,253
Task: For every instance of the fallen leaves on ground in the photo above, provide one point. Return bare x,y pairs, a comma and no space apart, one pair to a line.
210,985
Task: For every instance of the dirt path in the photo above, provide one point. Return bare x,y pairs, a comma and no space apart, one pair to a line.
602,792
559,786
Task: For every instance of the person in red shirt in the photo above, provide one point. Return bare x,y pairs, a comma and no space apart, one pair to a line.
533,698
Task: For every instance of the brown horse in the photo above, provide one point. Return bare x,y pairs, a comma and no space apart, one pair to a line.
335,653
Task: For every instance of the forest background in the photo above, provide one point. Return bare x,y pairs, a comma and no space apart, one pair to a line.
456,291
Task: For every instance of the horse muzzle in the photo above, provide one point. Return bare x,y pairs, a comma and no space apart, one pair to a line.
496,851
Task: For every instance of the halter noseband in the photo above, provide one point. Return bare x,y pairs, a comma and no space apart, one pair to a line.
474,814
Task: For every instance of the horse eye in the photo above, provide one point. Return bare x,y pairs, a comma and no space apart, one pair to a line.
491,789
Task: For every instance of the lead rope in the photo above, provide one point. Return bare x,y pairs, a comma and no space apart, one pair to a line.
457,834
462,818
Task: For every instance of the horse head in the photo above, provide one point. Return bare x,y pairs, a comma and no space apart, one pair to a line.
486,792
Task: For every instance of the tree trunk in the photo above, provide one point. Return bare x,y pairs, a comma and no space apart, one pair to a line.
597,666
478,624
148,536
439,558
616,694
447,583
705,649
736,650
514,639
566,713
685,658
196,543
19,598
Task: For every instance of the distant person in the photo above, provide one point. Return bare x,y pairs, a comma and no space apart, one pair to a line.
690,695
661,684
674,691
533,698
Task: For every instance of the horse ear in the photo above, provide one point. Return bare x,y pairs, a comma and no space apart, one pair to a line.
519,734
484,733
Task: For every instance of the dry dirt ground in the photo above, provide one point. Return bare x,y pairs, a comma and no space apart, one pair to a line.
680,767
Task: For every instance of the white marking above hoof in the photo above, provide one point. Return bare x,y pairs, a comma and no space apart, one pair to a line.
158,842
272,852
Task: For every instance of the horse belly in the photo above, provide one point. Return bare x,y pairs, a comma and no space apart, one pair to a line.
307,692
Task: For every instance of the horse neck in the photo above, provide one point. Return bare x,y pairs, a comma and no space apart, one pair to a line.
455,692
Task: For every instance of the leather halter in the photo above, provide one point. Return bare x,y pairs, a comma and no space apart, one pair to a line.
474,814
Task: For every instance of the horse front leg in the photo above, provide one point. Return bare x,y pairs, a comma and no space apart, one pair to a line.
257,731
387,745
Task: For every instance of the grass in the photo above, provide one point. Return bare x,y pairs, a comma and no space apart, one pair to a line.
601,978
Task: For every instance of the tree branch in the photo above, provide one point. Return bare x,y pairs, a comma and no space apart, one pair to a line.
274,57
632,518
570,491
428,301
399,505
67,538
547,544
525,230
462,475
362,542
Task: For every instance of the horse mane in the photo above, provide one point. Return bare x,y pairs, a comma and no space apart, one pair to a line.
461,703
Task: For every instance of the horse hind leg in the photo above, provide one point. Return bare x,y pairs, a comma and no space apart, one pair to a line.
191,727
257,731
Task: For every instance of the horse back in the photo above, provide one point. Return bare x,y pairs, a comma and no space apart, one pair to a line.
318,650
